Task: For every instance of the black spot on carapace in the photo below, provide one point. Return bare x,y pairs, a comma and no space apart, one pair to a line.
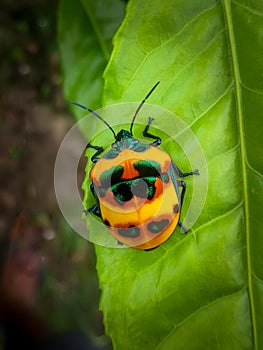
143,188
139,187
131,231
147,168
112,176
176,208
106,222
122,192
158,226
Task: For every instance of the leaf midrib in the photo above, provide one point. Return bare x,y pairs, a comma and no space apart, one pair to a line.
241,131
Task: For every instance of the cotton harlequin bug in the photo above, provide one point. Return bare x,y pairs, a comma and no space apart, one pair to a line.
135,186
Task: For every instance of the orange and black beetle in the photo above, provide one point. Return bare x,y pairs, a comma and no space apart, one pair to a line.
136,188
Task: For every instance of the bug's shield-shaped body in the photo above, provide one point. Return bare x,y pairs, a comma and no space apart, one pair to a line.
136,189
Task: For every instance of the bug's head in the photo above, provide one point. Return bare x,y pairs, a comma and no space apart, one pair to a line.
122,135
124,139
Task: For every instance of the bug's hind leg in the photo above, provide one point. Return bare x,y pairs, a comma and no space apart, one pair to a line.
184,229
145,133
95,209
183,185
95,156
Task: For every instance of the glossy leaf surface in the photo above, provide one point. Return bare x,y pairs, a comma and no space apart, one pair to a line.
85,30
203,290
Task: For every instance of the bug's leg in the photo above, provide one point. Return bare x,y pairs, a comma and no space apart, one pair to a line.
145,133
183,185
99,150
95,209
184,229
181,174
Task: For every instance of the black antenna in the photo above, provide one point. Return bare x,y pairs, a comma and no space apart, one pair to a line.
141,104
94,113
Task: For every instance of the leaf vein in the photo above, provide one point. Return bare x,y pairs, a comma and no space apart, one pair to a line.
196,57
256,172
258,92
257,278
196,312
174,37
190,234
233,149
209,108
255,12
219,217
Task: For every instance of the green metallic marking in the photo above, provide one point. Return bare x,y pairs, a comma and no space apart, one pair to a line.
144,188
122,192
157,226
102,191
139,187
111,176
132,232
123,135
148,168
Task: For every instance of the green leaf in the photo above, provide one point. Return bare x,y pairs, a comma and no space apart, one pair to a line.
203,290
85,31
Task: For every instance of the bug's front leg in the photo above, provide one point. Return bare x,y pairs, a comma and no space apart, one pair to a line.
145,133
99,150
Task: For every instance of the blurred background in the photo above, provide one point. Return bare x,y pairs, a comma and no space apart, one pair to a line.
34,119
